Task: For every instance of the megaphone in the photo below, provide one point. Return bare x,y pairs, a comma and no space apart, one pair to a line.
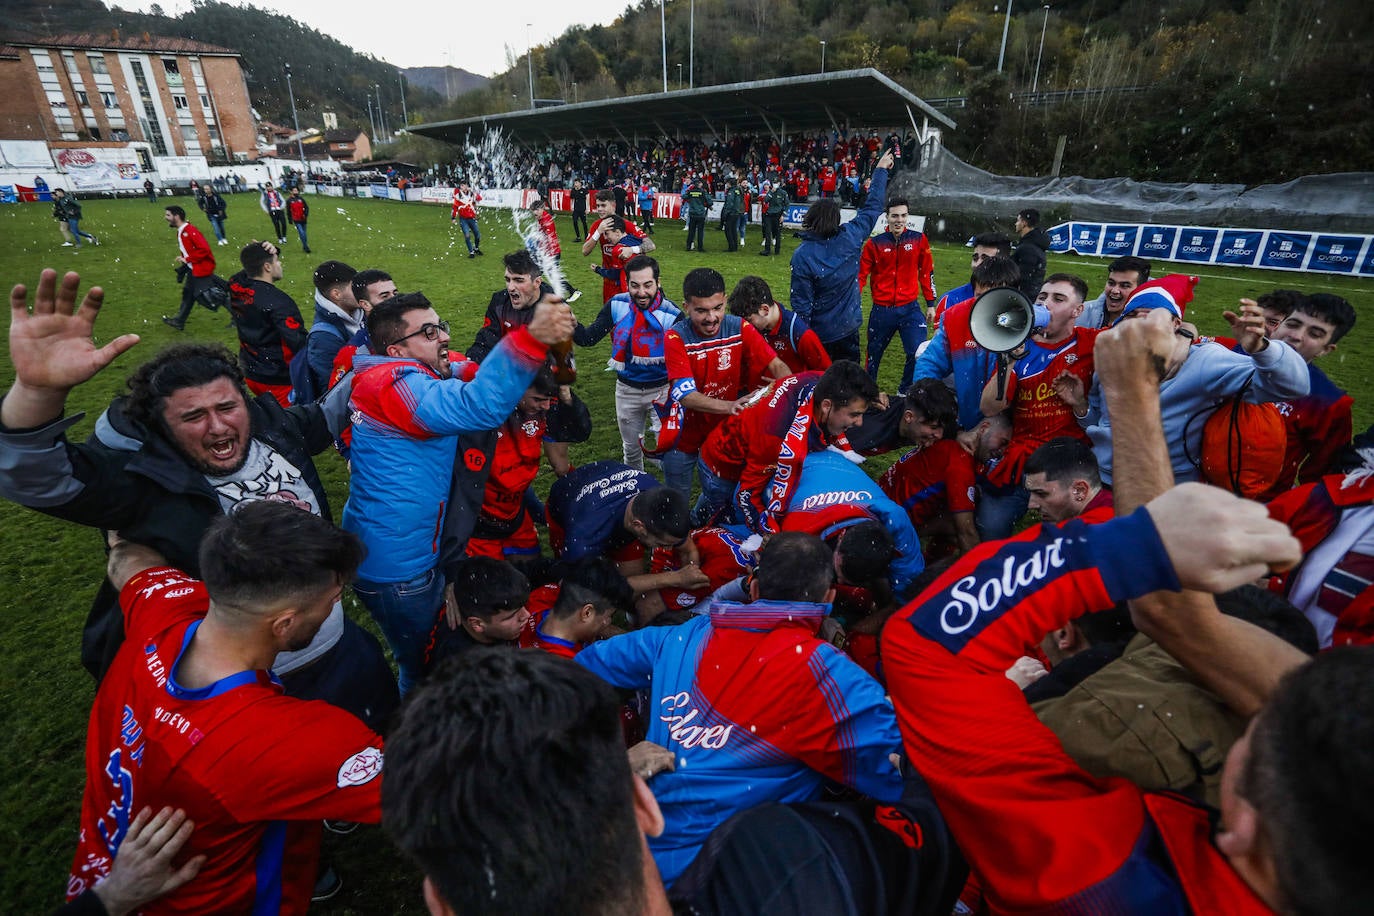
1001,320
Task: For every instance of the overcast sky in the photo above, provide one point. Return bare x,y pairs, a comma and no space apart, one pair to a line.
471,34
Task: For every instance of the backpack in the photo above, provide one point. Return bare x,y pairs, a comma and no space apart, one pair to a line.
303,387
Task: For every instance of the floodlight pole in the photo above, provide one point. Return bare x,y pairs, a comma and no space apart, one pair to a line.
529,60
679,76
371,120
691,44
1006,27
400,77
1041,53
300,147
822,56
663,30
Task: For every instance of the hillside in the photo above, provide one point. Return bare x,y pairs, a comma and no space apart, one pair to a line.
325,73
448,82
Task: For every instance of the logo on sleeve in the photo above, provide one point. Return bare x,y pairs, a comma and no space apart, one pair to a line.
361,768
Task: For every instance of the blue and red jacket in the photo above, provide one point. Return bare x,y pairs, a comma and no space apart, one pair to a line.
755,708
954,351
1042,835
405,426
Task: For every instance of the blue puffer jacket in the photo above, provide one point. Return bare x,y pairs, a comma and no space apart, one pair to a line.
825,272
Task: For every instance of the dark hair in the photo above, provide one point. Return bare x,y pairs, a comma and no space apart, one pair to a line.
365,278
702,283
895,202
1332,309
332,273
544,382
536,203
638,263
174,368
1281,300
1063,460
484,587
998,240
1272,612
386,322
613,222
866,550
1128,263
663,511
1030,216
254,257
604,195
595,581
1308,776
485,749
749,295
1101,628
238,572
521,262
822,218
998,272
795,566
842,383
1079,285
174,210
932,399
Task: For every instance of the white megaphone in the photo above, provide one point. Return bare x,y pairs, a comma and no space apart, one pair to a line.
1001,320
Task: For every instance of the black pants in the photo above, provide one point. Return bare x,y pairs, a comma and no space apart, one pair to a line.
190,290
731,231
646,221
278,222
772,232
580,220
696,229
846,347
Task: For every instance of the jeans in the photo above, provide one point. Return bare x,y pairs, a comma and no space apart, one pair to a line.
716,504
696,229
846,347
407,613
471,236
743,225
677,470
217,223
883,321
300,231
74,226
999,509
632,406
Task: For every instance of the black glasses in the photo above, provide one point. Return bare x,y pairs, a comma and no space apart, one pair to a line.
431,332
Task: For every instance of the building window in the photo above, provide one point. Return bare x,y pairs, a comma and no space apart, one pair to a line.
95,132
188,133
69,59
42,61
180,102
84,99
173,71
121,136
145,162
110,100
97,62
204,100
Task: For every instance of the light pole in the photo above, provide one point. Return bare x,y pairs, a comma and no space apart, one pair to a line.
574,92
679,76
529,60
300,147
400,77
370,119
691,44
822,57
1006,27
663,31
1038,54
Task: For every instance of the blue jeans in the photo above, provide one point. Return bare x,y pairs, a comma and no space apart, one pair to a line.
471,237
743,224
999,509
217,223
74,225
407,613
716,504
884,321
300,231
677,470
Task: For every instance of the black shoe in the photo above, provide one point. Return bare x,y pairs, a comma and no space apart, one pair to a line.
763,254
481,253
327,885
471,255
307,251
173,323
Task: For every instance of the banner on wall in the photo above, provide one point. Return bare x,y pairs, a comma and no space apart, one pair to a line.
100,169
1272,249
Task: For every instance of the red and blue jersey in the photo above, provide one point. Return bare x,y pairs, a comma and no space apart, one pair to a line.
720,555
931,481
796,344
532,636
255,770
724,366
1043,835
756,709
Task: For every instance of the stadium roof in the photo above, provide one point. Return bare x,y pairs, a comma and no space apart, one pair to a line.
849,98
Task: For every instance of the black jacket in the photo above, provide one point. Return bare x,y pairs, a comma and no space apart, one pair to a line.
1029,255
270,328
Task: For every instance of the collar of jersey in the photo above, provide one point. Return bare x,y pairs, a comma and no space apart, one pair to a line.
221,686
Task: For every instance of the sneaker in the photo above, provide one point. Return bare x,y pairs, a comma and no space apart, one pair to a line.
224,241
481,253
576,294
281,241
307,251
471,255
340,827
173,323
66,244
95,241
327,885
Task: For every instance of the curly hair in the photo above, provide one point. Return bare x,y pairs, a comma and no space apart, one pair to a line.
178,366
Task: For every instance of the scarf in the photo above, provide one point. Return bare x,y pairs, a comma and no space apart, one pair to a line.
802,438
638,337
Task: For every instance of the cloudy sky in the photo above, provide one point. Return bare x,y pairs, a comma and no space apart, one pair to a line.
471,34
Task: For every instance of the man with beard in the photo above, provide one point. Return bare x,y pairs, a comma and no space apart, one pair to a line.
1123,276
182,448
408,413
638,321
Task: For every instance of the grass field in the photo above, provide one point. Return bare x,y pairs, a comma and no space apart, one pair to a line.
49,570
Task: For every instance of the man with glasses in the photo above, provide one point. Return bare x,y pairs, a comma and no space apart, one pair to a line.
408,415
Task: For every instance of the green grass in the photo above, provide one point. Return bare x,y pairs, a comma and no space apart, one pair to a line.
49,570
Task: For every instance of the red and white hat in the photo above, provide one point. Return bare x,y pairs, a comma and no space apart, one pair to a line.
1172,292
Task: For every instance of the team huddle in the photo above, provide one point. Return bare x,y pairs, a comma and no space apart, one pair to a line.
729,670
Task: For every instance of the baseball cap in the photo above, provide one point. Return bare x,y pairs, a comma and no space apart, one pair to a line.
1172,292
332,273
